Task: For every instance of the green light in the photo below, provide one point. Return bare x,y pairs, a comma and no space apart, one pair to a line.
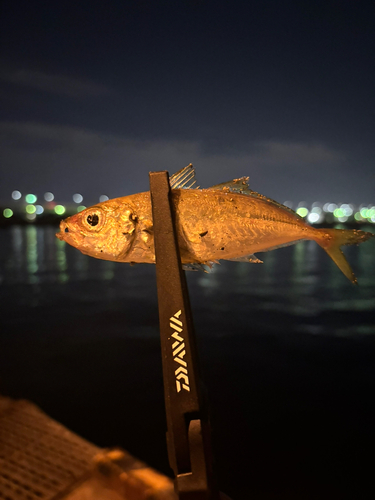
30,209
80,208
30,198
338,213
371,213
59,209
364,212
7,212
357,216
302,211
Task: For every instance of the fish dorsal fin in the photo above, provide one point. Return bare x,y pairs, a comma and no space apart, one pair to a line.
235,186
184,178
241,186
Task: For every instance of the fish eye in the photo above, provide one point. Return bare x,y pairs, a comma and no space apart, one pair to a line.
92,219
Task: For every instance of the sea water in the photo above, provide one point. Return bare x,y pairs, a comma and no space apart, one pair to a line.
286,351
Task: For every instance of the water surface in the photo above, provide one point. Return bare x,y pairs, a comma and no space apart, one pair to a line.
286,348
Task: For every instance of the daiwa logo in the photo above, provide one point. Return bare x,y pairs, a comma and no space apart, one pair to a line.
179,353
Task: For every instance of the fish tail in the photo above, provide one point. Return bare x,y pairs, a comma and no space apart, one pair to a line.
332,239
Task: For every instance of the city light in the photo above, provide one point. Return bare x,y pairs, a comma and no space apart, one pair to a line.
30,209
302,211
314,213
313,217
59,209
49,196
338,213
7,212
77,198
16,195
317,210
30,198
346,209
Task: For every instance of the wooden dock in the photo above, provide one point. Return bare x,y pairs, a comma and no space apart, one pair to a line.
40,459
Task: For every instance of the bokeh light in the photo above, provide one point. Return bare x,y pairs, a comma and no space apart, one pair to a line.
49,196
346,209
16,195
39,209
7,212
302,211
30,198
30,209
338,213
59,209
80,208
313,217
77,198
103,197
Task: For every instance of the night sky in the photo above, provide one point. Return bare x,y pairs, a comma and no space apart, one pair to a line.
94,95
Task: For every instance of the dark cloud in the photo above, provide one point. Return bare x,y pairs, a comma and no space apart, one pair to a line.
54,84
91,162
280,91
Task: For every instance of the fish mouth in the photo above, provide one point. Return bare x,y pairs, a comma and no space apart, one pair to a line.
63,230
70,234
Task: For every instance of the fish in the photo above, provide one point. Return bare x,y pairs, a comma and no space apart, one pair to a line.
228,221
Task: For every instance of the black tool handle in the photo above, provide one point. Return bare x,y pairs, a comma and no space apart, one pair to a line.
188,436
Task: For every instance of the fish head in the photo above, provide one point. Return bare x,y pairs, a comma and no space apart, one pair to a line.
105,231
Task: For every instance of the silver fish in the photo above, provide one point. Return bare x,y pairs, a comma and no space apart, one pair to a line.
228,221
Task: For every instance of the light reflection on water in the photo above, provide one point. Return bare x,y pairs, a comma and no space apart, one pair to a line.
32,254
300,280
61,263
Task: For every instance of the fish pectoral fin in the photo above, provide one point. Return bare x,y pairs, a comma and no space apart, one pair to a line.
247,258
184,178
